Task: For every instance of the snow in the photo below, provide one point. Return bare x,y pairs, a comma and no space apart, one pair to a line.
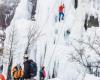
91,77
55,79
1,2
52,50
87,77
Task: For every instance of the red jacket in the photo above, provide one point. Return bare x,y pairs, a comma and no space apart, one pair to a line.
61,8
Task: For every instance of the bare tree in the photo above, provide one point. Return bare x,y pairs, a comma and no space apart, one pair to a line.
83,59
33,34
2,38
11,46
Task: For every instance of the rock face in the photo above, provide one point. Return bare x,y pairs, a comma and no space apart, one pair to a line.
93,22
76,4
34,8
7,10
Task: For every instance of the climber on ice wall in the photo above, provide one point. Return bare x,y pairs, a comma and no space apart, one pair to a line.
61,12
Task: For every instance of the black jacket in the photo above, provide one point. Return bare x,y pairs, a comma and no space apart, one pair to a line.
27,70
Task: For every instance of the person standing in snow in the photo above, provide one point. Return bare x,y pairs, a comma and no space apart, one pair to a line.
17,73
26,69
30,69
61,12
42,73
1,68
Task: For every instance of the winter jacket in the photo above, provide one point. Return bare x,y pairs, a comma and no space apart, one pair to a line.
20,73
61,8
27,70
17,73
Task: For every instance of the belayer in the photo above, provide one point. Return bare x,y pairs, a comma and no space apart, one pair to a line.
30,69
42,73
17,73
61,12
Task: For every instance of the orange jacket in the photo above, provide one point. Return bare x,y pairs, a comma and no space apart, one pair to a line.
18,73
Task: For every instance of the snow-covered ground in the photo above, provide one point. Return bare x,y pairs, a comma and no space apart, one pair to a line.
51,49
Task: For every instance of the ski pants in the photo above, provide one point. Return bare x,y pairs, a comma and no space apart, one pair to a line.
41,78
61,16
21,79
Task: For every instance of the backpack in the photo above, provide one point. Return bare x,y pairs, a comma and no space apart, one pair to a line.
20,73
1,68
33,68
17,73
42,73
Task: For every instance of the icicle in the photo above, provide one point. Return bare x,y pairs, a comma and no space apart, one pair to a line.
76,4
85,23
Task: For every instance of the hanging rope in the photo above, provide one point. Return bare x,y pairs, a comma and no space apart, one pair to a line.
50,14
57,40
47,19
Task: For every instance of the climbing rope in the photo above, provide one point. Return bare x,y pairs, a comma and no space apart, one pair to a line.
57,40
47,19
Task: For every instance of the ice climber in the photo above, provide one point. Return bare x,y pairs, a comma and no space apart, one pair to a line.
61,12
